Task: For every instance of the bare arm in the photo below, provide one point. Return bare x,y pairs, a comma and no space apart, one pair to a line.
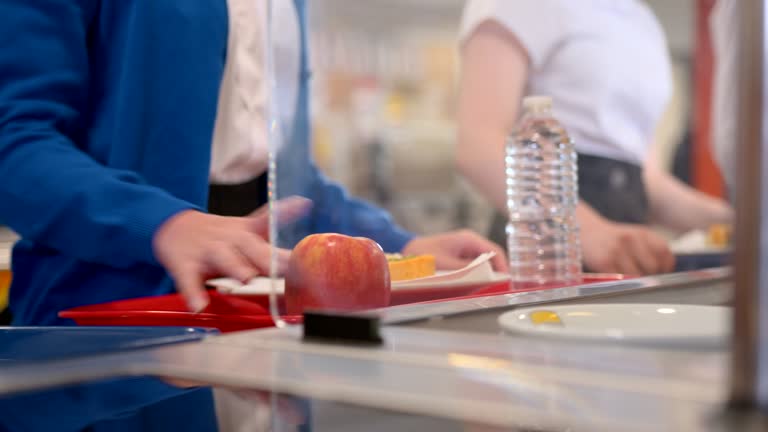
494,63
677,206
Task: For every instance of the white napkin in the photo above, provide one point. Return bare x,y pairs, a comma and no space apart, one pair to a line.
692,242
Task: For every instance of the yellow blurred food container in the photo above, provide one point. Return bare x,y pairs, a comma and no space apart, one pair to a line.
5,274
719,235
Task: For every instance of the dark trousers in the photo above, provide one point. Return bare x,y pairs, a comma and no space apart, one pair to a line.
238,199
615,189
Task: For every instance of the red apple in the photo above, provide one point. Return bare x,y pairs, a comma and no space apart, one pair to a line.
336,272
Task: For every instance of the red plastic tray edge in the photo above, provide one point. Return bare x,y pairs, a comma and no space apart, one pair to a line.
126,313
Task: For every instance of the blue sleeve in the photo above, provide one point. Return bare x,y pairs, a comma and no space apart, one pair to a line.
52,192
335,210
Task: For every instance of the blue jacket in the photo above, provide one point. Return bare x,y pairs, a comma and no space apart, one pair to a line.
106,117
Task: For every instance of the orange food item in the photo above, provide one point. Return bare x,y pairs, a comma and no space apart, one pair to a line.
719,235
5,284
410,267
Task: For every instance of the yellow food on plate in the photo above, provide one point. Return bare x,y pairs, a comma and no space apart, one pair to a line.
719,235
410,267
545,317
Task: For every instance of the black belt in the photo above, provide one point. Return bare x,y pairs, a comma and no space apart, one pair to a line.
237,199
614,188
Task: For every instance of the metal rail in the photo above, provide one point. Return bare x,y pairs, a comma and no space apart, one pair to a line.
749,361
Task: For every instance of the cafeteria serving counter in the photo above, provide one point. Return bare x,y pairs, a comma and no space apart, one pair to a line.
445,366
701,287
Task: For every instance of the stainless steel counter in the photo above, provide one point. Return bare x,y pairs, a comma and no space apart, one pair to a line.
489,380
704,287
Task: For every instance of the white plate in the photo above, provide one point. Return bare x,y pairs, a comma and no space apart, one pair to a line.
655,324
695,243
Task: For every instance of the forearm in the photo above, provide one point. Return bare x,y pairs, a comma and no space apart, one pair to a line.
494,75
334,210
677,206
483,164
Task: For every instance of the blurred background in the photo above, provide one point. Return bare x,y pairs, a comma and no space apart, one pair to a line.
385,74
384,82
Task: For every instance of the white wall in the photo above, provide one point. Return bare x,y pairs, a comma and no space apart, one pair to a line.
382,15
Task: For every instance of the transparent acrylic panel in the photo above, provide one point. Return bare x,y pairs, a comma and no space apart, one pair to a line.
369,125
369,140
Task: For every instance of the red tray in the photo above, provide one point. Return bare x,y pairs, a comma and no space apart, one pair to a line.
229,313
226,313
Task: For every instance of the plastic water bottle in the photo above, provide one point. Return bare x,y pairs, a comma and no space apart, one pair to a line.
542,194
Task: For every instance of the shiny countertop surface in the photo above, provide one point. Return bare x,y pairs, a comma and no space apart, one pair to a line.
492,379
655,285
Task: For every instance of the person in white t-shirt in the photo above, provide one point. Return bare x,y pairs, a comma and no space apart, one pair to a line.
606,66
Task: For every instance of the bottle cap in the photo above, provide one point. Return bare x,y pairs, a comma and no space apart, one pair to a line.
537,103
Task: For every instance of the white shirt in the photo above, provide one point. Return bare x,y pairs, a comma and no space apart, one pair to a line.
604,62
240,137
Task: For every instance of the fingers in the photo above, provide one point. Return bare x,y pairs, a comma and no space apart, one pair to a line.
650,253
189,283
283,255
228,261
449,262
669,261
456,249
476,245
642,252
665,257
194,246
287,210
258,253
625,263
657,255
499,262
241,261
256,250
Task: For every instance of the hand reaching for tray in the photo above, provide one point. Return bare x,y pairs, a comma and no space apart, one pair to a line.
194,246
456,249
